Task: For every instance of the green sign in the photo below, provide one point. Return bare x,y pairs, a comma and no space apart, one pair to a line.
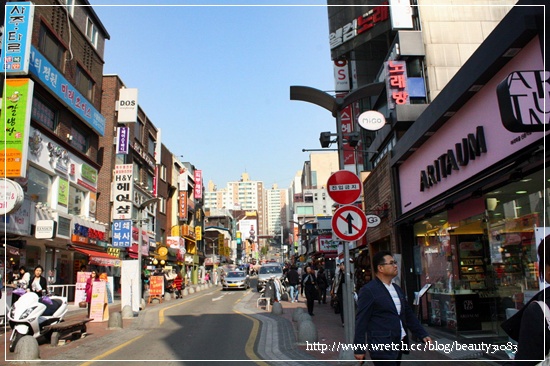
16,119
89,173
63,194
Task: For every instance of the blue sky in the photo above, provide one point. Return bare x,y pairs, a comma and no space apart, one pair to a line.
216,80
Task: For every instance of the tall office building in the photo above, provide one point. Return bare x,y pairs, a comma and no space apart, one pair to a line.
276,202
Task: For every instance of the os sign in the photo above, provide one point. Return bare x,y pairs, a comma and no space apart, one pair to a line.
371,120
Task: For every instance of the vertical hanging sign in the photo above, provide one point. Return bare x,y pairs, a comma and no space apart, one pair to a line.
14,137
15,57
396,83
122,140
127,105
341,76
123,187
198,184
183,205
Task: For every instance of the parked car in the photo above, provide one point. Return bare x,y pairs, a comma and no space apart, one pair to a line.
266,271
236,280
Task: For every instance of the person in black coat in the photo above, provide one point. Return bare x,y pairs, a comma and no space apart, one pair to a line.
529,326
384,314
38,284
293,281
309,286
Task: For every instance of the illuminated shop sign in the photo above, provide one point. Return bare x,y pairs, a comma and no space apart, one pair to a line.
359,25
468,149
396,83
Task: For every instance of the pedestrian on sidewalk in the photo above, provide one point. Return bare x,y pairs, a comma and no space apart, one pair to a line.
94,277
293,280
309,286
337,290
322,283
384,315
528,326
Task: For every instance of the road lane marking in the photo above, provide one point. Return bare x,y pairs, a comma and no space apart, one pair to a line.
113,350
249,347
161,320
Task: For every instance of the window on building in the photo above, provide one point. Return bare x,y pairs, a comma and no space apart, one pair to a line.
50,47
84,83
149,182
162,205
80,140
39,185
91,32
138,130
44,114
76,201
151,143
69,5
137,172
162,172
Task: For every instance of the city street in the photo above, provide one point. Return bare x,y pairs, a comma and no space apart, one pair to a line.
203,326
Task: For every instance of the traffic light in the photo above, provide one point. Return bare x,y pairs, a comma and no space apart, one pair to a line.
353,138
325,139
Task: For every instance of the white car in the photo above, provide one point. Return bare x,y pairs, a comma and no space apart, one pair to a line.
266,272
236,280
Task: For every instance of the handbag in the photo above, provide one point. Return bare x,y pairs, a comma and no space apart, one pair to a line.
46,300
83,304
19,291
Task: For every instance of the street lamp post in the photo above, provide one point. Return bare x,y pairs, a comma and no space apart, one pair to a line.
140,222
335,106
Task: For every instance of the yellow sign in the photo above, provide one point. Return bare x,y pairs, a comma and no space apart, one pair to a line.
221,240
198,233
163,251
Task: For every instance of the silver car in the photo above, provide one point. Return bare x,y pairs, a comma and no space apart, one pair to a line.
266,272
236,280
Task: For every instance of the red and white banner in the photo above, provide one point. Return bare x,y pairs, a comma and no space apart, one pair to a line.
198,184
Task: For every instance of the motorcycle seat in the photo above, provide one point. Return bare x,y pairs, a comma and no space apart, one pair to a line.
51,309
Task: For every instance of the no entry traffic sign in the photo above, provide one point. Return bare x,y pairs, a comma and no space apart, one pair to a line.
349,223
344,187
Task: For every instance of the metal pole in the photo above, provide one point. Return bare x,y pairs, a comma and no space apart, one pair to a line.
349,304
140,238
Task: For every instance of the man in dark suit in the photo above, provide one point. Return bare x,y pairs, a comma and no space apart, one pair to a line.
384,315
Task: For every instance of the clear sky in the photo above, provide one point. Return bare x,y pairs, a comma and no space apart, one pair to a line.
216,80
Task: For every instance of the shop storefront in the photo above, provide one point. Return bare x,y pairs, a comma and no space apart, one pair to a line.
478,196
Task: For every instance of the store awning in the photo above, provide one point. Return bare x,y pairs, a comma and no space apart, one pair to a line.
99,258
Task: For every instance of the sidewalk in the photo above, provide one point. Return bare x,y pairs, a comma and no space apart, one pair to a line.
277,338
331,333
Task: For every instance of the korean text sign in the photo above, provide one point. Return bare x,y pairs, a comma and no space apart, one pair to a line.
14,137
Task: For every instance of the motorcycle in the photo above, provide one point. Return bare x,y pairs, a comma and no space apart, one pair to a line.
30,315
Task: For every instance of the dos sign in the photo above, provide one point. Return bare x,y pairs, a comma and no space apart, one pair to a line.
371,120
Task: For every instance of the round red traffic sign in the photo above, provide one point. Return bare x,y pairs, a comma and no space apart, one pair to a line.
349,223
344,187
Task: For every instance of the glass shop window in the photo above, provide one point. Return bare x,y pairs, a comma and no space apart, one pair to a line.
39,185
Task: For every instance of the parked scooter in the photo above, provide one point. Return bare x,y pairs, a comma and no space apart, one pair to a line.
30,315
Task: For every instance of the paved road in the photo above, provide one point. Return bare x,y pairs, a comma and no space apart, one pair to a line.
205,326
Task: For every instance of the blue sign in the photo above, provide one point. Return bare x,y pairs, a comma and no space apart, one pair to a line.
56,82
17,37
122,233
